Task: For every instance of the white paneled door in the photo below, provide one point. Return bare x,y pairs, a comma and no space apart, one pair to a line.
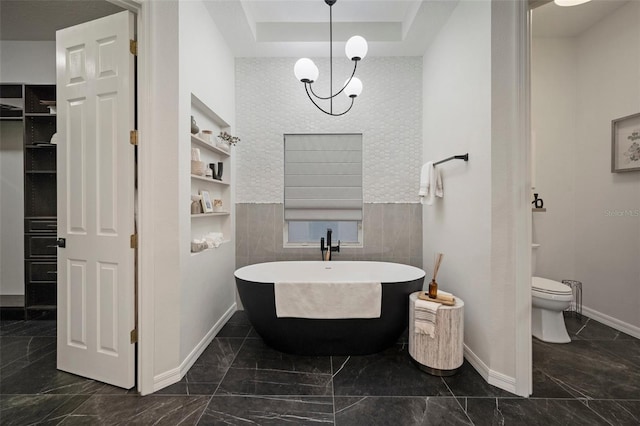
96,175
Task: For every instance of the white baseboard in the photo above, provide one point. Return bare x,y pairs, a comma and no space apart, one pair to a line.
477,363
175,375
494,378
502,381
167,378
631,330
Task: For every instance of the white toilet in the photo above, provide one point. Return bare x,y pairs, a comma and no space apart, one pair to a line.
549,298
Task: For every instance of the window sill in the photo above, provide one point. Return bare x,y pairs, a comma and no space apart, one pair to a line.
317,246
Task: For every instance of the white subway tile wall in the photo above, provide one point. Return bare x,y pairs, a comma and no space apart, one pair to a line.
271,102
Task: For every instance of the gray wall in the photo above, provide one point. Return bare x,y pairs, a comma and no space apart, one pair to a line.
29,62
12,208
392,233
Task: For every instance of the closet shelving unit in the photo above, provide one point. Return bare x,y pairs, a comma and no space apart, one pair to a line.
40,202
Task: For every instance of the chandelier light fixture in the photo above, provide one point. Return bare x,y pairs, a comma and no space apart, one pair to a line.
570,2
307,72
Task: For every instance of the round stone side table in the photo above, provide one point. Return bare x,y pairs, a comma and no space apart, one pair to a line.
442,354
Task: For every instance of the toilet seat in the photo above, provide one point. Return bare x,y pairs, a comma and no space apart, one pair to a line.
543,286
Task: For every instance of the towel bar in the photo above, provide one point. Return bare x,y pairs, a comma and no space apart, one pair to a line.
464,157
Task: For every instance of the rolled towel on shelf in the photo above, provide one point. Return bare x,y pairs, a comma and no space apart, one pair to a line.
214,239
425,315
445,296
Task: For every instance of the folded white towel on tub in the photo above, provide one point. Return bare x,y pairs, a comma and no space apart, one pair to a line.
328,300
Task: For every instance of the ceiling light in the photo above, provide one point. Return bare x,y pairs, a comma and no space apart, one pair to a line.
307,72
570,2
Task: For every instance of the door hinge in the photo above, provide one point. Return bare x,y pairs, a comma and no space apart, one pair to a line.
134,335
133,137
134,241
133,47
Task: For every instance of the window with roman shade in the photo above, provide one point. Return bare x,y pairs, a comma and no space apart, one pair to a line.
323,177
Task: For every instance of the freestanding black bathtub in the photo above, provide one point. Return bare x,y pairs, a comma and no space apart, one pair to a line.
329,336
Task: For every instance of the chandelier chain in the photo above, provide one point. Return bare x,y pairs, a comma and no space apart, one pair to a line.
307,72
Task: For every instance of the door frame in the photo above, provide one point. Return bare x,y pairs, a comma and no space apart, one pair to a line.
523,222
145,300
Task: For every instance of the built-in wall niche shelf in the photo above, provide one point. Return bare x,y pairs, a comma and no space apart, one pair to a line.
210,180
220,220
539,210
208,145
210,214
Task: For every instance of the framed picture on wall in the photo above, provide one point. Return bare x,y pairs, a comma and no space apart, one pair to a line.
625,144
205,199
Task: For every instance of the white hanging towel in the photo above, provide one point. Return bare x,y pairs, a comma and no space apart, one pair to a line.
430,183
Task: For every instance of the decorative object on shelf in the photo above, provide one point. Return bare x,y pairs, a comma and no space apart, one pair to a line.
307,72
194,127
209,241
196,206
217,205
625,144
51,105
205,198
214,239
212,167
433,285
226,139
219,175
208,173
537,202
198,246
195,154
206,135
198,168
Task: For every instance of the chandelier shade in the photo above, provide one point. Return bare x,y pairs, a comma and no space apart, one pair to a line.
353,87
307,72
356,48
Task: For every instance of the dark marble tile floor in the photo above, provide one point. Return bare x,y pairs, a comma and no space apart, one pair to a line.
238,380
